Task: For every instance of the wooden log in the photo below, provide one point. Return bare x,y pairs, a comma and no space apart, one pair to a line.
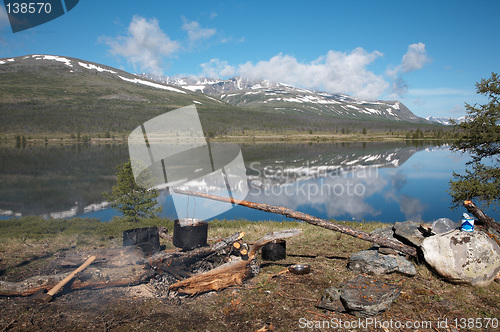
408,250
482,218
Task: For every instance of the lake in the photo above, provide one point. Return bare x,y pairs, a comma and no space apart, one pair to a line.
370,181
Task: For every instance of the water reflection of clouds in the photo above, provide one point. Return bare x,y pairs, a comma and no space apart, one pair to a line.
411,207
333,195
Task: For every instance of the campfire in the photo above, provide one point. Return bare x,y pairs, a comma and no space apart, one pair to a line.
224,263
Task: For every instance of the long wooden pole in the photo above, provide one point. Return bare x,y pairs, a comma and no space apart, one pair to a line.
310,220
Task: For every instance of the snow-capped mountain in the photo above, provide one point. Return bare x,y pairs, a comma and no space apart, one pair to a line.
283,98
445,121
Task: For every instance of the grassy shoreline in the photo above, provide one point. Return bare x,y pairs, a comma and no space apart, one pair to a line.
271,299
249,137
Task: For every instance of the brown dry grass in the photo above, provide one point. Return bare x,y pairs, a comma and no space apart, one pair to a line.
283,302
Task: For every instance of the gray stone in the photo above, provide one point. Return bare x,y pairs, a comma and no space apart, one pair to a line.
365,297
387,232
409,230
463,257
331,300
443,225
373,262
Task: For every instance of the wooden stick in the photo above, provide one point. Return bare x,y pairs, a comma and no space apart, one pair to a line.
310,220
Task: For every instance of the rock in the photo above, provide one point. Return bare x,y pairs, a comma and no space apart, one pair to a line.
361,296
364,297
463,257
409,230
443,225
331,300
387,232
372,262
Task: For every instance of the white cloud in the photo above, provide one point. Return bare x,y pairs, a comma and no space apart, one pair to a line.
216,68
195,31
145,45
415,58
399,86
337,72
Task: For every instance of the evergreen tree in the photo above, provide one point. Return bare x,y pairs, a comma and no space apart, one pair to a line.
480,139
130,199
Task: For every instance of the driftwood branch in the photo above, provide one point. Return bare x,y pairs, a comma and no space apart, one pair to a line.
311,220
482,218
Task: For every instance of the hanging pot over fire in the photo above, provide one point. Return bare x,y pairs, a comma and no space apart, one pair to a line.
190,233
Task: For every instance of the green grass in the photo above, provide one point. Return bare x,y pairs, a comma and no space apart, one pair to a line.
38,228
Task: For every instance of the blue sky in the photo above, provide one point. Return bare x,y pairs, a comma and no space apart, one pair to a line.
427,54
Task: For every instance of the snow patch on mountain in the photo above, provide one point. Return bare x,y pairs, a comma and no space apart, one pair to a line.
154,85
6,60
264,94
94,67
66,61
445,121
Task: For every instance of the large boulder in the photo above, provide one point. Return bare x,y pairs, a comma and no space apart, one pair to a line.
373,262
463,257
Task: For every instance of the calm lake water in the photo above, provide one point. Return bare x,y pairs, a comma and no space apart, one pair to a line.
373,181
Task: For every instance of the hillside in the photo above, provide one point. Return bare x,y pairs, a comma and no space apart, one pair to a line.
54,94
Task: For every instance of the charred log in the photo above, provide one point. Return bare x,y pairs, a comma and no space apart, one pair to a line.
230,274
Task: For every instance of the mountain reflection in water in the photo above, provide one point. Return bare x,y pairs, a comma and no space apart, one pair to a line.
382,181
